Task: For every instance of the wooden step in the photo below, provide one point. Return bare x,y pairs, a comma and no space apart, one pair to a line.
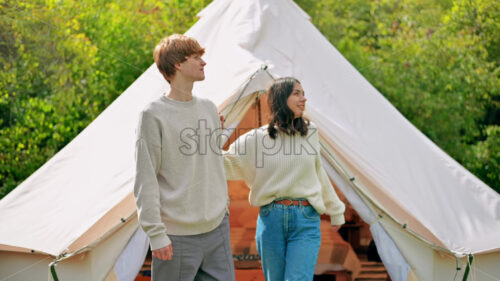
375,271
380,269
371,264
333,276
372,277
372,271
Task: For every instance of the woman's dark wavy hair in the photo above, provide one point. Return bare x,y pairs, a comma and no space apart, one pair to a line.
282,117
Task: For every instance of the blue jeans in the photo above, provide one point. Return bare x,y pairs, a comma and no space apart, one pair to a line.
288,240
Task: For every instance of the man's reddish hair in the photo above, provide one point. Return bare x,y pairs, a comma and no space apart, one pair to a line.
174,49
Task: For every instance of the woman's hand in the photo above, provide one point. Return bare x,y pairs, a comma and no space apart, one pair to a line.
221,117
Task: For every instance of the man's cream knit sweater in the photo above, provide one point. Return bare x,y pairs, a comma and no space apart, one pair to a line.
287,167
180,187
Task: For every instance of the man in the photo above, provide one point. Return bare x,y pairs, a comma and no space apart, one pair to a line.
180,186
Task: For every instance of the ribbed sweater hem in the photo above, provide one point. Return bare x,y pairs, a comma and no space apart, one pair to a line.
194,229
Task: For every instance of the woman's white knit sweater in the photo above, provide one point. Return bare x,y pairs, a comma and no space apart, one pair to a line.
285,167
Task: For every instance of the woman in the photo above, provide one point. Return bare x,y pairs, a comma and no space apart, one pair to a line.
281,165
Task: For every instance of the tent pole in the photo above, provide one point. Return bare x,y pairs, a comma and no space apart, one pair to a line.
52,266
241,92
259,110
469,263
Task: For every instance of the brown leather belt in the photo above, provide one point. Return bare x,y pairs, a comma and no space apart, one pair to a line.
288,202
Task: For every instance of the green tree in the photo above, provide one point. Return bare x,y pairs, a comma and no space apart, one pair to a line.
436,61
63,62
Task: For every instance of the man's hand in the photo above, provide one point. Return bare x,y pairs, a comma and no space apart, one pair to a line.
164,253
221,117
336,227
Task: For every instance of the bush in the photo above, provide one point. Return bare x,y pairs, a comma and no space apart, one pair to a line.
436,61
63,62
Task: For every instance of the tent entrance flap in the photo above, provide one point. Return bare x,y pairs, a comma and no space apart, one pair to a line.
376,196
235,107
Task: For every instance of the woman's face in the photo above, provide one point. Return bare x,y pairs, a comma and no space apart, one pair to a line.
296,101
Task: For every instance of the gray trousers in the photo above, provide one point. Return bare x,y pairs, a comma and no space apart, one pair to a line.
205,256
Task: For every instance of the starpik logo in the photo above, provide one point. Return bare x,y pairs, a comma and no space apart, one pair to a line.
204,140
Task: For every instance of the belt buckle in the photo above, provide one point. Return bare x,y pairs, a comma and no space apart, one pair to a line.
287,202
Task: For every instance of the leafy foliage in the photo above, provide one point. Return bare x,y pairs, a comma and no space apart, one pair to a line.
63,62
436,61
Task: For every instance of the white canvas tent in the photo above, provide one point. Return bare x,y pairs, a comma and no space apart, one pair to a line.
427,213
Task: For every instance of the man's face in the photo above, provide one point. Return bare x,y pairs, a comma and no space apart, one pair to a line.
193,68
